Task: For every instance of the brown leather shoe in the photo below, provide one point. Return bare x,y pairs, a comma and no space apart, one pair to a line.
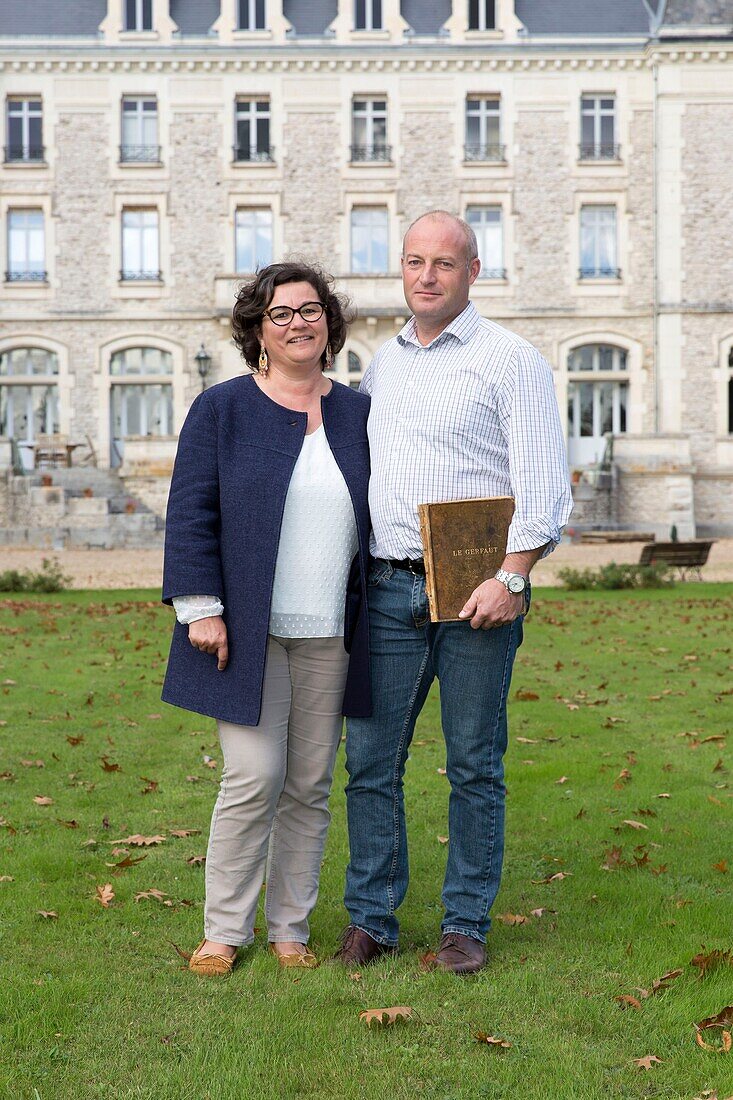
460,954
358,948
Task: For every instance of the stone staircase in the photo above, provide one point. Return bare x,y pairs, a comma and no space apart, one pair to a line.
82,508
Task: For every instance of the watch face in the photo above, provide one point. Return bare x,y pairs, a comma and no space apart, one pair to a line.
516,585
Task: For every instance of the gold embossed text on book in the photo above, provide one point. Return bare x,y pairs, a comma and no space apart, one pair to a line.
464,543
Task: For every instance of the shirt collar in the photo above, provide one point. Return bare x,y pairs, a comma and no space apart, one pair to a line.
462,327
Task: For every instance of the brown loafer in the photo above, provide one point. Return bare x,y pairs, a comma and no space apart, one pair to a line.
211,966
460,954
304,959
358,948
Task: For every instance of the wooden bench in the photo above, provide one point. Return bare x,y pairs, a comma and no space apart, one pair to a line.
683,556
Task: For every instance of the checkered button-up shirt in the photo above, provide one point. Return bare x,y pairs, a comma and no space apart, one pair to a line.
472,414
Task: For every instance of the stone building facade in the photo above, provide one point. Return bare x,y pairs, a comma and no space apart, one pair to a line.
155,151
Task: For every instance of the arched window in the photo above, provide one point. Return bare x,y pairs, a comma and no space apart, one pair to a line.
29,398
598,387
141,396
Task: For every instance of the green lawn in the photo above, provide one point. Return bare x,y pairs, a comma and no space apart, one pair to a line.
634,703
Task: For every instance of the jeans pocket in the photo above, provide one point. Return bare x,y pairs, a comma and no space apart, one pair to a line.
378,571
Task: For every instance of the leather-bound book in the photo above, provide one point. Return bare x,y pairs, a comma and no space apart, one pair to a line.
464,543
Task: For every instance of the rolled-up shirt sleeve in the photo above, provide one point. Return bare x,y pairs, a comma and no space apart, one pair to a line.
538,465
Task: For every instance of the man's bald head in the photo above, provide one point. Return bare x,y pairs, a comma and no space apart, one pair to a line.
462,227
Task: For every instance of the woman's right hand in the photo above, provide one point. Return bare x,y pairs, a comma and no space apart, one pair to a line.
209,635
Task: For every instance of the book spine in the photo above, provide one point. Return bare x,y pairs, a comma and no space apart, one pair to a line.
427,543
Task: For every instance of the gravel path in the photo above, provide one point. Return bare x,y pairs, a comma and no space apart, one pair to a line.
143,568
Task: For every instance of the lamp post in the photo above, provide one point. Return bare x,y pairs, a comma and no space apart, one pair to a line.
203,365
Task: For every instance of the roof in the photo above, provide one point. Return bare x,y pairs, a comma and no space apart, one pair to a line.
576,18
698,12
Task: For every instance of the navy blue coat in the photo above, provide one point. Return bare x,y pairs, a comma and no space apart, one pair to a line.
236,454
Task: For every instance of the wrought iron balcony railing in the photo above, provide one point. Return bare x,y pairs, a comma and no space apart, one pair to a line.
254,154
599,273
139,154
603,150
23,153
487,152
492,273
128,276
364,153
20,276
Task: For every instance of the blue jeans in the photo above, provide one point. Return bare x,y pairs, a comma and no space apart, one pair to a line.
474,669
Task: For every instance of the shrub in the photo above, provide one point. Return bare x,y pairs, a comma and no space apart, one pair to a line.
617,576
49,578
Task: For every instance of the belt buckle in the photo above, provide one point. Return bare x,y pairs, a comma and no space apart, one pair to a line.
411,567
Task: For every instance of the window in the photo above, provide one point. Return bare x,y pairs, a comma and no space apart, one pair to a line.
143,406
369,130
24,129
29,399
481,15
486,224
251,15
138,15
140,253
730,392
252,130
139,130
252,239
348,369
597,400
369,240
483,129
598,246
598,128
368,15
26,247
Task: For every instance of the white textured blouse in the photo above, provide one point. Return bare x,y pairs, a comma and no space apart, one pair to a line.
318,540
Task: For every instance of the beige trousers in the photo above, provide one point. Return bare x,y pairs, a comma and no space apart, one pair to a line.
271,816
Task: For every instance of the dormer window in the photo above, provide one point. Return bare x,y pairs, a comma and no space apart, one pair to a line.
138,15
481,15
368,15
251,15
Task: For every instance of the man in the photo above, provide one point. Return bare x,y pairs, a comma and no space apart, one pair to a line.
461,408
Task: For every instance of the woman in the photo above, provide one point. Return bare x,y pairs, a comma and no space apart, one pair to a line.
265,562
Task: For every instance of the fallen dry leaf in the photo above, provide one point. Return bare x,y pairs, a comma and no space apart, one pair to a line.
75,740
526,696
184,832
140,841
442,839
723,1019
664,794
33,764
43,800
541,911
73,824
155,895
427,961
128,861
492,1041
6,878
562,779
512,918
726,1041
105,894
635,824
721,866
196,861
647,1061
184,954
109,766
557,877
385,1016
151,785
708,961
625,1000
48,914
355,976
210,762
526,740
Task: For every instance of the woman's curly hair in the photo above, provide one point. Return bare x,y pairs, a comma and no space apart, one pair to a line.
254,297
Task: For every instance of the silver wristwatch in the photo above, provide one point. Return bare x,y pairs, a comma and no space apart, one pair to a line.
513,582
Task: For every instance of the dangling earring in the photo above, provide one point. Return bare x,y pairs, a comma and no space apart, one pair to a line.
328,364
263,364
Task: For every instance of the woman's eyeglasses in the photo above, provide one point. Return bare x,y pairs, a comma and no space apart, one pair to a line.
283,315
